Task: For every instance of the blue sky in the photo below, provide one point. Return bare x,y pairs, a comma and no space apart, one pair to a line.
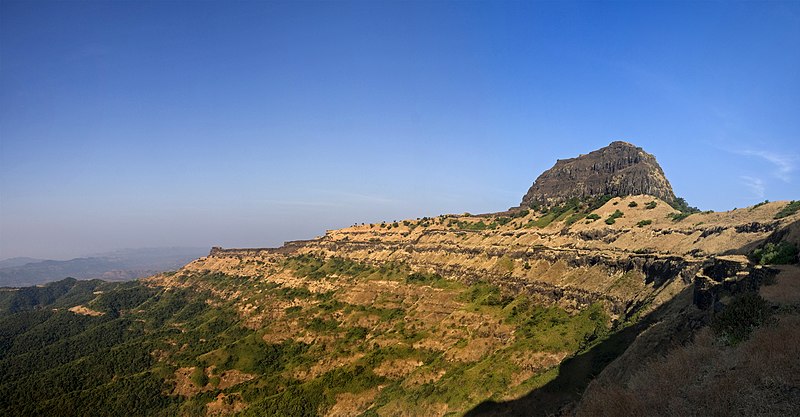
130,124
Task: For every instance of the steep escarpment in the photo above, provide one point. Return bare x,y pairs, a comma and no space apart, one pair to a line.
619,169
642,257
633,259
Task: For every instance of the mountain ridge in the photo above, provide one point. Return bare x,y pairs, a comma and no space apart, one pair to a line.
500,314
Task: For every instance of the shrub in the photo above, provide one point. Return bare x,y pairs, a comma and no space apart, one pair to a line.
745,312
684,207
633,204
676,217
198,376
771,254
613,217
520,213
790,209
574,218
502,221
593,217
644,223
651,205
321,325
423,278
759,205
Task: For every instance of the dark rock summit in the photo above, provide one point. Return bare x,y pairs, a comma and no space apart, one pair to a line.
618,169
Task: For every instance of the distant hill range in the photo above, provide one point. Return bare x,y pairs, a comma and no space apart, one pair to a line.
119,265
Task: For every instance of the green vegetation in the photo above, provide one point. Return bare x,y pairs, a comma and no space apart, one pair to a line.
681,205
423,278
519,213
613,217
759,205
593,217
739,318
554,213
651,205
485,294
198,377
633,204
643,223
152,349
552,329
502,221
57,294
775,254
505,263
790,209
574,218
474,226
570,212
676,217
481,225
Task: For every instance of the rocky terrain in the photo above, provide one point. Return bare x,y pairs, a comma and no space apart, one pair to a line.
619,169
629,266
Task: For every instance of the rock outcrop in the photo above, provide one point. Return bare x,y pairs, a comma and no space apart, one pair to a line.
619,169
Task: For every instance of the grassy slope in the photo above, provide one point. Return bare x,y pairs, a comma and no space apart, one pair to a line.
132,358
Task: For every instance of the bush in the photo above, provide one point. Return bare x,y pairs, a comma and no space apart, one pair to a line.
746,312
759,205
198,376
644,223
632,204
520,213
651,205
423,278
613,217
676,217
593,217
783,253
574,218
682,206
790,209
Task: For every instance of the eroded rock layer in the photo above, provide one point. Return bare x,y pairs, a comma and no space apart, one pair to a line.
638,261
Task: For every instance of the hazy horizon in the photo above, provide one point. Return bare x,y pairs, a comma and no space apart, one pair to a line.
133,124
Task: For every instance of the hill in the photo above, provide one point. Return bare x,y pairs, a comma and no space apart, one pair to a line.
113,266
508,313
619,169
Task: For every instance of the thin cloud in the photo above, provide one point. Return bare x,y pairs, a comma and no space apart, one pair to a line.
784,164
756,185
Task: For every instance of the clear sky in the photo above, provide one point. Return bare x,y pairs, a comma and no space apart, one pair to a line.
132,124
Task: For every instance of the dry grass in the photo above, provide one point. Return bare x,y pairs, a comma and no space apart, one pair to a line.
786,289
759,377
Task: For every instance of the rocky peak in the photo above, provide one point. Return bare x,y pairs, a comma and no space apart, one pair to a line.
618,169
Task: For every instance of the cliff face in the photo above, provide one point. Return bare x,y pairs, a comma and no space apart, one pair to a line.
623,265
619,169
